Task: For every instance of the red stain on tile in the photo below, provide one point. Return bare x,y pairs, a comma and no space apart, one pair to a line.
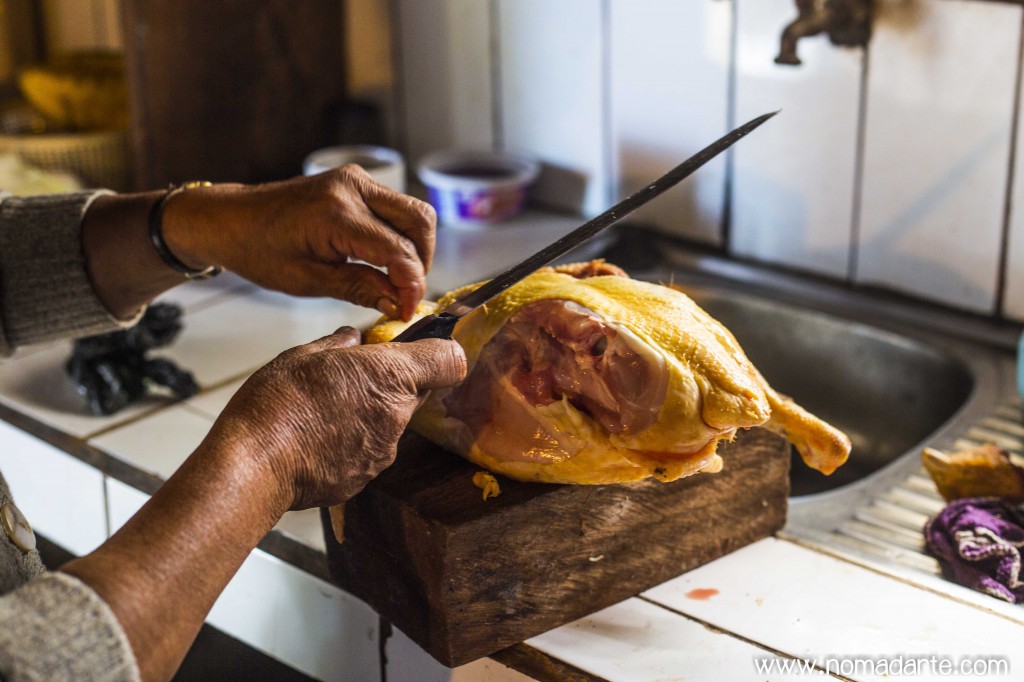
702,593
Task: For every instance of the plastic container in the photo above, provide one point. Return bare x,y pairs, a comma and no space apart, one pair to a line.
471,187
384,165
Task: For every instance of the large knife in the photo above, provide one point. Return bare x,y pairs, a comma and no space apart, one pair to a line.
441,325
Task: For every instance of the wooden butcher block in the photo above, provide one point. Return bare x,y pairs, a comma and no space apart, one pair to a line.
464,577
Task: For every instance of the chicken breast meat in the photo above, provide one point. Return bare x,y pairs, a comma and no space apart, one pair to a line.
579,374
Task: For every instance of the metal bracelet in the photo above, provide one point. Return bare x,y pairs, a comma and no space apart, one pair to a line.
156,234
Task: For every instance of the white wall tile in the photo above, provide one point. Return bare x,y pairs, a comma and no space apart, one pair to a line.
445,75
939,103
36,384
467,255
808,605
159,443
225,335
299,619
213,402
793,183
122,502
304,526
245,332
552,105
408,662
636,640
191,296
283,611
62,497
669,99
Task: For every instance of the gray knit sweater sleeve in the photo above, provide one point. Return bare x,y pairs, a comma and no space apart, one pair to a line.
52,626
45,292
56,628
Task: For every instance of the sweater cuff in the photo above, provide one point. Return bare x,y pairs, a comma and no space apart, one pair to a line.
57,628
45,291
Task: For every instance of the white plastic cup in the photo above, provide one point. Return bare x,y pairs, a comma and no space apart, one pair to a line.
384,165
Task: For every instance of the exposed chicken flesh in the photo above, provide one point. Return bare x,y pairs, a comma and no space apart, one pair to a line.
582,375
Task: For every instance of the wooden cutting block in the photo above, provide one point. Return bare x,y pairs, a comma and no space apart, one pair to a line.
464,577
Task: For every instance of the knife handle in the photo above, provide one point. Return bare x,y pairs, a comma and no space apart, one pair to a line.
429,327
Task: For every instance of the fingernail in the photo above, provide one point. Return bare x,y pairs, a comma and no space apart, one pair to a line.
388,307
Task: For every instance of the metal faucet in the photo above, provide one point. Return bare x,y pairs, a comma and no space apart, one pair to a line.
847,22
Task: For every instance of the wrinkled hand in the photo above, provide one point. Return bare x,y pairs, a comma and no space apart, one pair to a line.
301,236
325,418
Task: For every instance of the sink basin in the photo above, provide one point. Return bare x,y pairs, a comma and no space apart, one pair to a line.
885,391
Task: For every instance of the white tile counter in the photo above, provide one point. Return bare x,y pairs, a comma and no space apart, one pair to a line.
748,615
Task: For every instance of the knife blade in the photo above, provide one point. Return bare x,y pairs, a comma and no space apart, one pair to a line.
441,325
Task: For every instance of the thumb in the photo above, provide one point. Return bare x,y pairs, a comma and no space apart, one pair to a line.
343,337
434,363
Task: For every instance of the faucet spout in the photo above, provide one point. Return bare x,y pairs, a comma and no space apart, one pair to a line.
847,23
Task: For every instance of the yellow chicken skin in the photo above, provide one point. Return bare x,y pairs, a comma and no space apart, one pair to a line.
579,374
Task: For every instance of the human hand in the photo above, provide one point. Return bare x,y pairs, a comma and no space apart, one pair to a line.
325,418
309,429
302,236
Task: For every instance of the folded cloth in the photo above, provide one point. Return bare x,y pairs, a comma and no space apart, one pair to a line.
978,542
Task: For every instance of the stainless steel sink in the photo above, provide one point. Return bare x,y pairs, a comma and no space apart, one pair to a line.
887,392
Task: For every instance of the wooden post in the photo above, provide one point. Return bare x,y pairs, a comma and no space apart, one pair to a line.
233,90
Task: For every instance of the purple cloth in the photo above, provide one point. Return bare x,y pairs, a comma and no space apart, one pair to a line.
978,541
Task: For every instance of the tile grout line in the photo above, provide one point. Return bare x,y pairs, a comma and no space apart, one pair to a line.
725,234
1004,237
106,503
182,402
612,172
494,47
104,430
384,633
240,290
735,635
401,115
859,155
198,412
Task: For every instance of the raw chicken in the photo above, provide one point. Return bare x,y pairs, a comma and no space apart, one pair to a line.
981,471
579,374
